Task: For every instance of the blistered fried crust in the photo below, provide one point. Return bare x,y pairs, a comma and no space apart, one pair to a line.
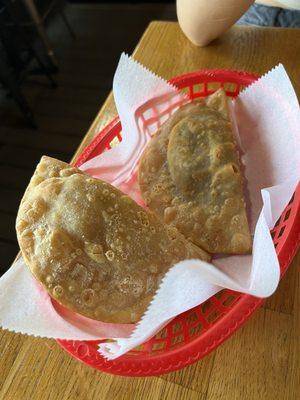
190,176
93,248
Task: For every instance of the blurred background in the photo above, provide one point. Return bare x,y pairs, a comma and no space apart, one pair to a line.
57,60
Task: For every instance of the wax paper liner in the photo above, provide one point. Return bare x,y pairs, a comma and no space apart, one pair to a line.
267,116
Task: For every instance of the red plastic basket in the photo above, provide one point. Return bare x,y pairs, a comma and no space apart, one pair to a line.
195,333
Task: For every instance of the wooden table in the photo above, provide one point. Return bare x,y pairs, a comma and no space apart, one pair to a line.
261,361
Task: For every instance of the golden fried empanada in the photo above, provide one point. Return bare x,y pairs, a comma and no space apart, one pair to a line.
93,248
190,176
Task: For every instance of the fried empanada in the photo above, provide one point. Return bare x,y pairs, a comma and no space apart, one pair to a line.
92,247
189,175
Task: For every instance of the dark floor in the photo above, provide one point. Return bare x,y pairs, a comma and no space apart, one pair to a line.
64,114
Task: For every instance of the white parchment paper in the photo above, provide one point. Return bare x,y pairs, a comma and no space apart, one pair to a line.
267,115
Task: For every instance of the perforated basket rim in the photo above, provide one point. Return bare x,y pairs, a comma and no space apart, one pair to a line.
221,330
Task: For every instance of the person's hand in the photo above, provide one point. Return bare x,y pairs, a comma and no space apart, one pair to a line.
205,20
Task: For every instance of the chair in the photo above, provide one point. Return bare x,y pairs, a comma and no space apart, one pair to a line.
39,18
16,54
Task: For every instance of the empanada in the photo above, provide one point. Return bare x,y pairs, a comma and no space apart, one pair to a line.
93,248
189,175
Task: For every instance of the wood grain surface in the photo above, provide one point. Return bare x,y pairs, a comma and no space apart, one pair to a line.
261,360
